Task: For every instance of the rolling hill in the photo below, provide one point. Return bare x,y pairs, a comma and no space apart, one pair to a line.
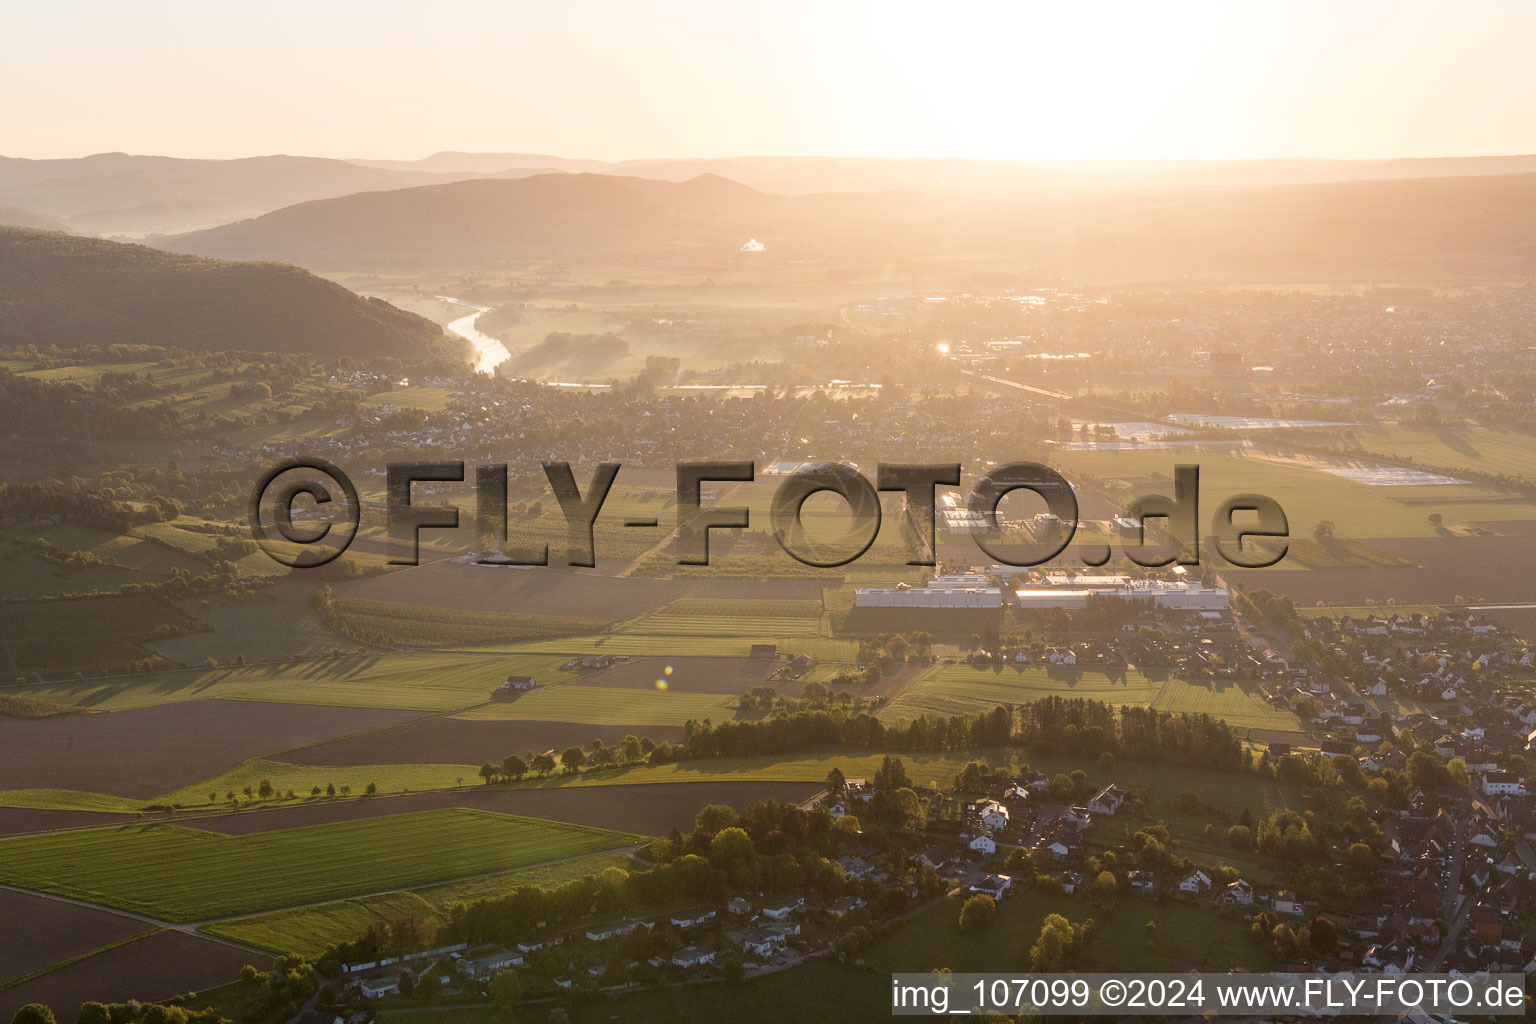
71,292
1405,229
487,221
11,217
121,193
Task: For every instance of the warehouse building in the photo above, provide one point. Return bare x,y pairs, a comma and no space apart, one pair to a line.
1072,592
968,590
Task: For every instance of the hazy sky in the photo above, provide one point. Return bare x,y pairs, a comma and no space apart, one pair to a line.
1061,79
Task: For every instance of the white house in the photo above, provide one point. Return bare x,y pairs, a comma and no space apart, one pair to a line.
1196,881
1505,783
779,911
1239,893
693,917
983,844
762,942
995,886
1287,903
692,956
378,988
992,814
1107,800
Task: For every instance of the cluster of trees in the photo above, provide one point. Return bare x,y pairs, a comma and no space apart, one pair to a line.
896,648
88,506
768,848
59,409
1074,726
1319,936
121,1013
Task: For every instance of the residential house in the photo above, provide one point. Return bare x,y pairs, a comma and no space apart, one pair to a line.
1107,800
691,956
693,917
378,988
995,886
782,909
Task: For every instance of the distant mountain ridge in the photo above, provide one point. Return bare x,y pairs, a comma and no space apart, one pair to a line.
11,217
72,292
135,195
140,195
489,220
1413,228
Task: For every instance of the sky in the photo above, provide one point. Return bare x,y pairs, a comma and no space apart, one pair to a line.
1068,79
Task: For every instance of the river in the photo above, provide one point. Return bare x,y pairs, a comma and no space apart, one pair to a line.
490,352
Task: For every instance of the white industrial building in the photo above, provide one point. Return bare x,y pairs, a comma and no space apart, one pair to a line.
1072,592
962,590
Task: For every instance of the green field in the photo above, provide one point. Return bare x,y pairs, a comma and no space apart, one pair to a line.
68,800
182,874
1308,495
417,682
45,637
389,778
1477,449
735,646
1239,703
306,931
430,626
601,705
961,689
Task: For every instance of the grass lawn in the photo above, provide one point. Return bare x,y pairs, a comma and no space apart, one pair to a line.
182,874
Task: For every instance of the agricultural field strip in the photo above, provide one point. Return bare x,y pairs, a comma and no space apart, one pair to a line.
309,929
179,874
952,689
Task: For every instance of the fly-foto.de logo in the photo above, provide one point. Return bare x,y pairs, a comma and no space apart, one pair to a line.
305,512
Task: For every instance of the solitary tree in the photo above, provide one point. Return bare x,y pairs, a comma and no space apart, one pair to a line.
573,760
836,782
514,767
976,913
33,1013
488,772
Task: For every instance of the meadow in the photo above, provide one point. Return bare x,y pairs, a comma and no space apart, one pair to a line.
44,636
416,682
961,689
307,931
1478,449
601,705
426,626
1307,495
183,874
